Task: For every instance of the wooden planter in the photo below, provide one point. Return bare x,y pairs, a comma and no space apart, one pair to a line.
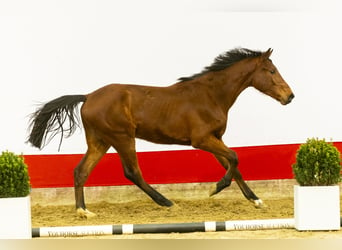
317,207
15,218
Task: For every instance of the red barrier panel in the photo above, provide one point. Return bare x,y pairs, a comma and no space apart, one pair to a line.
164,167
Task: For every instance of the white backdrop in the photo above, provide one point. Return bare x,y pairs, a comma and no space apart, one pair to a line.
53,48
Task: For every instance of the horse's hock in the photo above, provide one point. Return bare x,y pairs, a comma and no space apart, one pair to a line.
268,189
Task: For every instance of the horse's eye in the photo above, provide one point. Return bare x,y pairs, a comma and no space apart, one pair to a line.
272,71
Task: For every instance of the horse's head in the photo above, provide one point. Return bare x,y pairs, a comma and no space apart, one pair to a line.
268,80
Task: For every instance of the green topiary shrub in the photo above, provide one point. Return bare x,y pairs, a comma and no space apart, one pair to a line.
14,178
318,163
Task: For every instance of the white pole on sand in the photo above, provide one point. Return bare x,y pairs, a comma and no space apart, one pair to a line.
209,226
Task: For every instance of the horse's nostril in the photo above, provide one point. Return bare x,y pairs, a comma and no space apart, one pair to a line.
290,98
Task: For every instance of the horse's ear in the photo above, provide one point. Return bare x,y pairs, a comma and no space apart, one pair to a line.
267,54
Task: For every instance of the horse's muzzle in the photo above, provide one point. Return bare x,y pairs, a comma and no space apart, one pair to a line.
290,98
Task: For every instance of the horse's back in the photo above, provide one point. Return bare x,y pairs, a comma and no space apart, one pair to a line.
116,103
156,114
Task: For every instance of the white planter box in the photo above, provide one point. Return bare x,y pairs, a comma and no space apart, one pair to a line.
15,218
317,208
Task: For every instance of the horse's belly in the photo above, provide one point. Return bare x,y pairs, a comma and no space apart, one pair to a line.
162,138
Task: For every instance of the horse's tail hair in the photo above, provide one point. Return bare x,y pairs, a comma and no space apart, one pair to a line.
50,118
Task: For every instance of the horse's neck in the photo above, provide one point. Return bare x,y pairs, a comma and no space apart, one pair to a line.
224,86
228,85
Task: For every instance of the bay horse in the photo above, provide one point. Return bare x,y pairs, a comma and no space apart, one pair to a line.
193,111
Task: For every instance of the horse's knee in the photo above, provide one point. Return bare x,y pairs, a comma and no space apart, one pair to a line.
132,174
233,158
129,175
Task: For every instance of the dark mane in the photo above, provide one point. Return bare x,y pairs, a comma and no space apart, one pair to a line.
225,60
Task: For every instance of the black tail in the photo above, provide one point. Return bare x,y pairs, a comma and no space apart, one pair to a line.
50,119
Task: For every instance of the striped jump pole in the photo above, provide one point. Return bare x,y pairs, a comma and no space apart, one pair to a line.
210,226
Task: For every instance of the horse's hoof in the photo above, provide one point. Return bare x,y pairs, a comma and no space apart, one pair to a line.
164,202
168,203
85,213
213,190
174,208
258,203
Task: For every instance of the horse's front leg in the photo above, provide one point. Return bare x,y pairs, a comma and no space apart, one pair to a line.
226,179
233,172
229,160
247,192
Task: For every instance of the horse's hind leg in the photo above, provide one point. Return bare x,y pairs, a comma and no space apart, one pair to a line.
82,172
132,171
